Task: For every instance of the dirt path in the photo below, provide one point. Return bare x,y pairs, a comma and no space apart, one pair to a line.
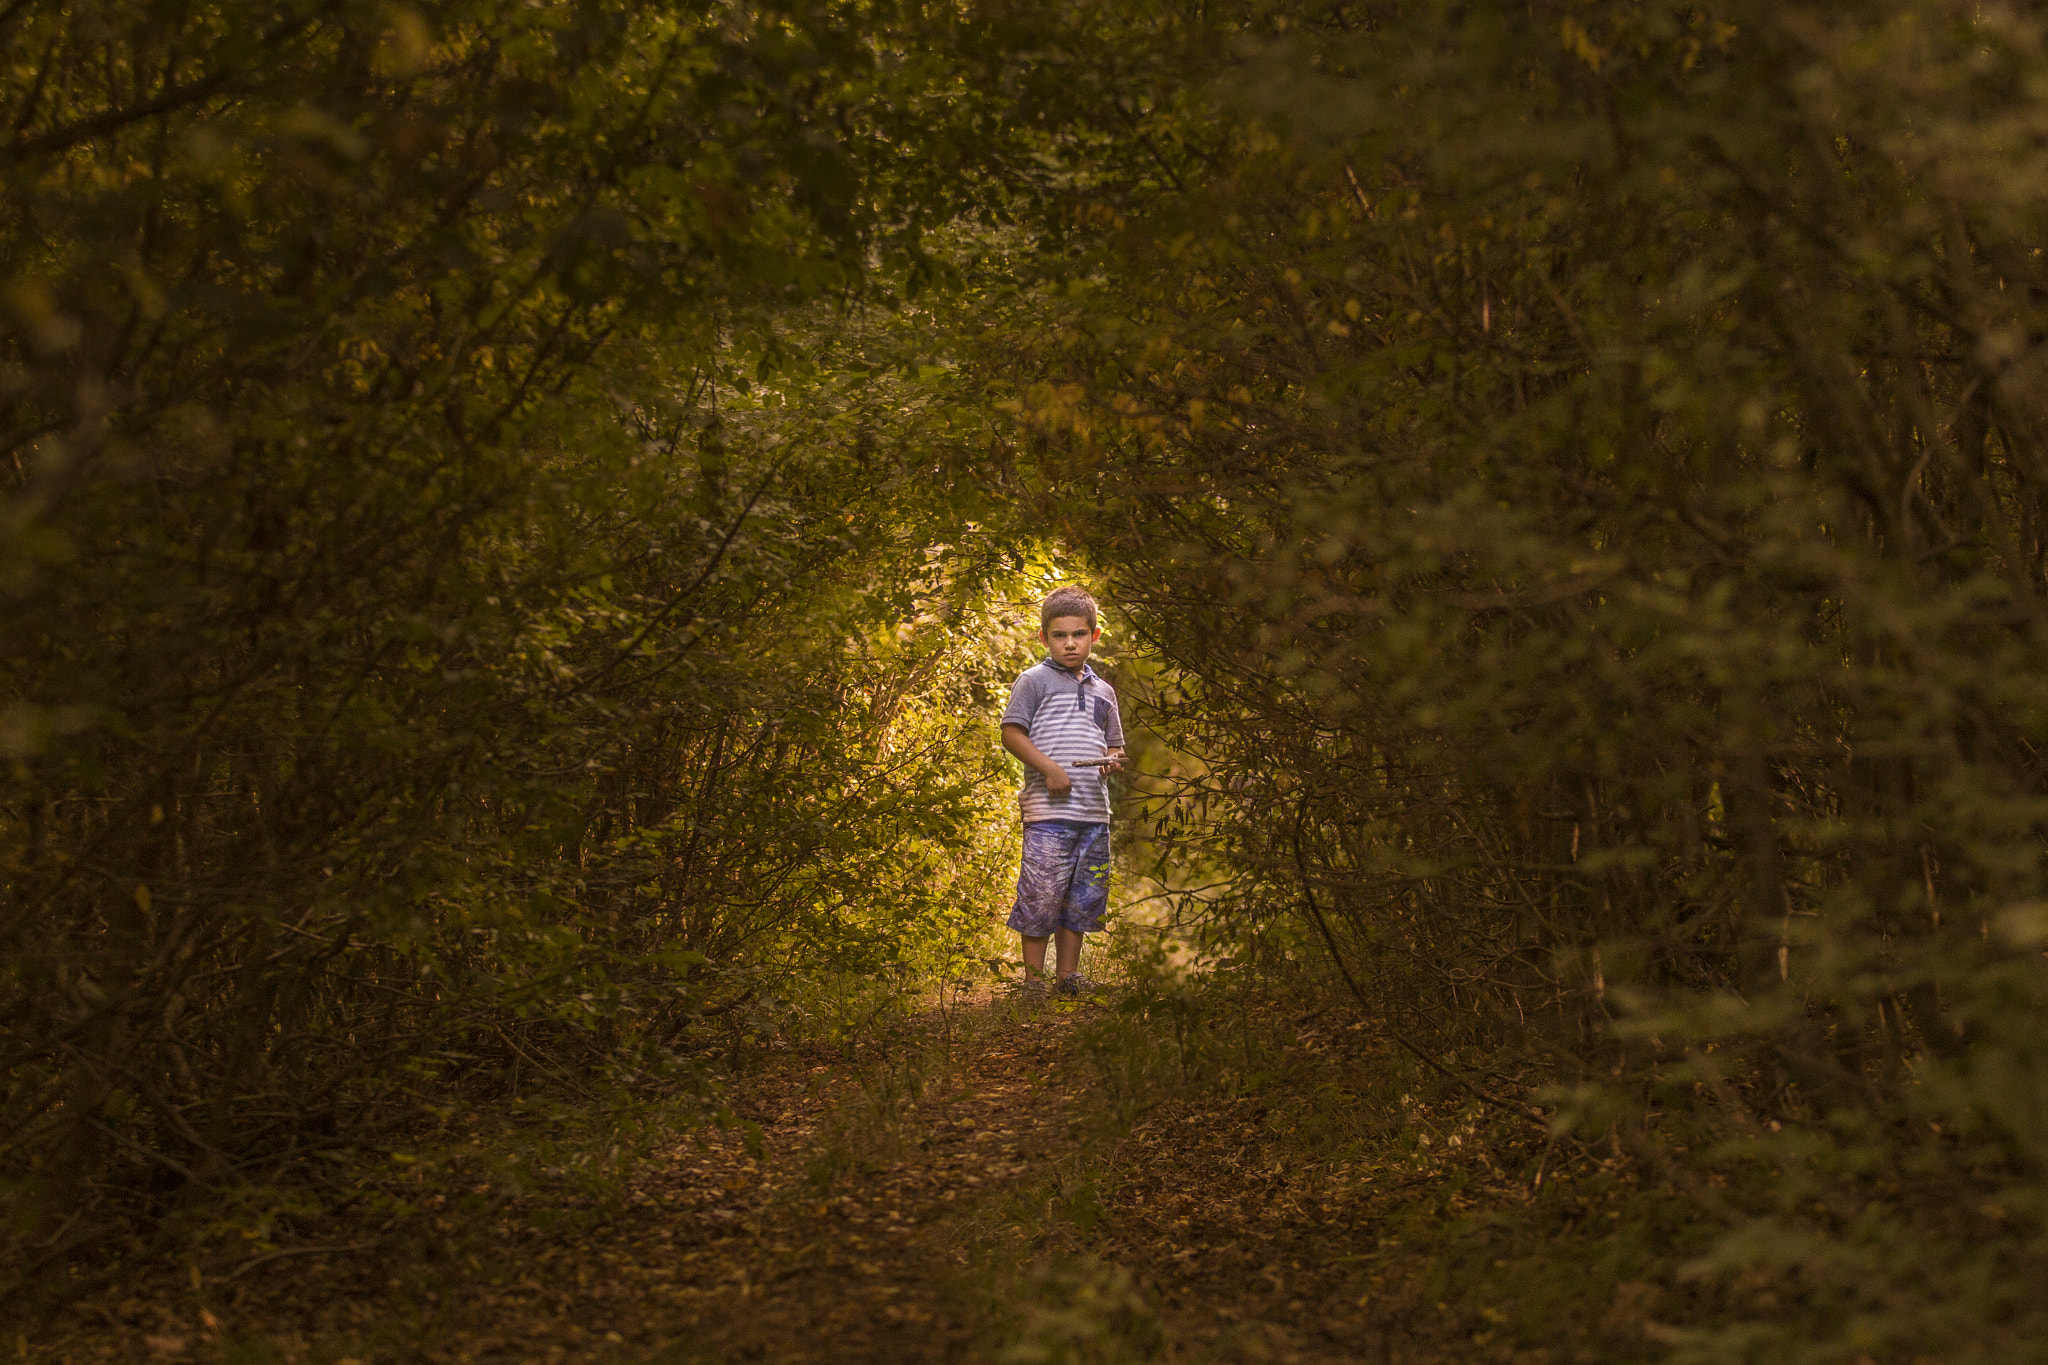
968,1201
842,1241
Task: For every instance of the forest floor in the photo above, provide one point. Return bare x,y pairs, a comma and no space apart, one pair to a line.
1013,1182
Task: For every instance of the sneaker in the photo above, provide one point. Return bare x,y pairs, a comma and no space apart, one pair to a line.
1031,988
1076,985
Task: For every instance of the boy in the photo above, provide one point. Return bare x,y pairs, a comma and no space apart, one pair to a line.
1059,713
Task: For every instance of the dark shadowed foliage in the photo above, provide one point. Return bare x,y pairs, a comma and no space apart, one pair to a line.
465,624
1583,467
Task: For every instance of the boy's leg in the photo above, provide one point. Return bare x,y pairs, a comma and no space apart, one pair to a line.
1069,954
1034,954
1041,887
1087,897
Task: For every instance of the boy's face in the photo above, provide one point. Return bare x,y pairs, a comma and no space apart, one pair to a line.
1068,639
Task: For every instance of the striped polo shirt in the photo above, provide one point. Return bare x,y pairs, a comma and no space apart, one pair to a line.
1068,717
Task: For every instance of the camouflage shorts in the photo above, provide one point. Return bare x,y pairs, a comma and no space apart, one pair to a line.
1064,881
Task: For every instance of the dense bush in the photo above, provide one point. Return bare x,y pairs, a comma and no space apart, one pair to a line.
1582,466
468,591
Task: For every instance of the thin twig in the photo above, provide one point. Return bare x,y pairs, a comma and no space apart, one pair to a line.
1315,911
269,1256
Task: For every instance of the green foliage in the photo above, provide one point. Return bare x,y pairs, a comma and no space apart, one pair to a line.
1086,1312
467,567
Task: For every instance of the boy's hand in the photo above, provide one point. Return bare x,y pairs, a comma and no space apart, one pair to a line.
1018,743
1116,762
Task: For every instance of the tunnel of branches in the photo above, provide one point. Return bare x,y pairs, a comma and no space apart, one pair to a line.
517,522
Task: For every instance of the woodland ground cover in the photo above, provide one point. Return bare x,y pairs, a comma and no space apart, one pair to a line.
987,1183
516,516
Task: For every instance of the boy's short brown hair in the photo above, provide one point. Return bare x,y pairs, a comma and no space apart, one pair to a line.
1066,602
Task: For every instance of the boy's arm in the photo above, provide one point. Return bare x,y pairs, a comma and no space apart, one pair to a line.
1019,743
1113,737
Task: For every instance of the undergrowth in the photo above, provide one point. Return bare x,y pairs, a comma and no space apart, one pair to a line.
1269,1161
